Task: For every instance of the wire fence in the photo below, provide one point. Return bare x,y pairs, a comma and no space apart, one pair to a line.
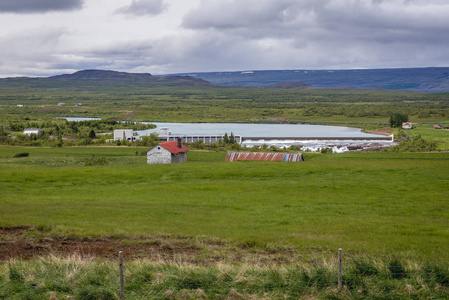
342,277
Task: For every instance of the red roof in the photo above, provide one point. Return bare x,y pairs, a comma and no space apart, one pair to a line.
173,147
260,156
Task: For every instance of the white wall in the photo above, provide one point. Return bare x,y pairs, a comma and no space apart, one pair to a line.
32,131
158,155
118,134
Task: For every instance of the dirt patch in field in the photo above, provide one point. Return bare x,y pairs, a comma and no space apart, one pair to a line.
20,242
30,243
383,131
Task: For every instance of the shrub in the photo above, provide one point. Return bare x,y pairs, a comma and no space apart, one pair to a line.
365,268
95,161
435,274
92,134
236,147
415,144
397,270
22,154
198,144
396,120
295,148
15,275
326,150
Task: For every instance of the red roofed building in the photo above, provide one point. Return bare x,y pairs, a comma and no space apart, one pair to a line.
167,153
407,125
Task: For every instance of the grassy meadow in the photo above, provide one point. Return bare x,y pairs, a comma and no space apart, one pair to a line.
373,203
255,230
243,230
440,136
223,104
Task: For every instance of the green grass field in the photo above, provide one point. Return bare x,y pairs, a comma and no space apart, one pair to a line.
215,230
441,136
374,203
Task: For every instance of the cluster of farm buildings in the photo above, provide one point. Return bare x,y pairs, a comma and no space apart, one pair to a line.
172,151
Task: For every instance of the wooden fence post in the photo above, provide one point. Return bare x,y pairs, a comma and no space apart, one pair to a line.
122,280
340,267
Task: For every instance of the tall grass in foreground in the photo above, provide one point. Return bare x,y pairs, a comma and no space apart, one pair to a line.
87,278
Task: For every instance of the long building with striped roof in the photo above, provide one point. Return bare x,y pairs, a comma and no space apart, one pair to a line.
261,156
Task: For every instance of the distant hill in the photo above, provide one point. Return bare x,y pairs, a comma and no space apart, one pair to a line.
433,80
100,79
289,85
105,76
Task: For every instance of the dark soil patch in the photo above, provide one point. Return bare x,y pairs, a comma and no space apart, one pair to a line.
29,243
19,242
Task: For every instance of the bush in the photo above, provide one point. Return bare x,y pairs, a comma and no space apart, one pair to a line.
415,144
326,150
365,268
198,144
95,161
397,270
22,154
92,134
396,120
15,275
401,134
435,274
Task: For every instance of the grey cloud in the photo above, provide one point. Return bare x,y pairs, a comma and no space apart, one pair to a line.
175,53
33,42
226,35
283,18
38,52
144,7
247,14
38,6
255,19
335,32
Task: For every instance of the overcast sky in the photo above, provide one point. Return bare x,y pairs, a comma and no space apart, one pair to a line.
48,37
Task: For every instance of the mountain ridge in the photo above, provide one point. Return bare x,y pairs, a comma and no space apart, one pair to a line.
92,78
430,80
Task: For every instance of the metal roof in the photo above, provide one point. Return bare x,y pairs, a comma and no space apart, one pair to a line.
173,147
260,156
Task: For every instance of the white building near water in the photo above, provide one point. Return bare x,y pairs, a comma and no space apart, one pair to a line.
30,131
126,134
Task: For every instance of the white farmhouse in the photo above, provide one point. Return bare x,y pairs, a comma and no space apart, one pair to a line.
125,134
30,131
167,153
